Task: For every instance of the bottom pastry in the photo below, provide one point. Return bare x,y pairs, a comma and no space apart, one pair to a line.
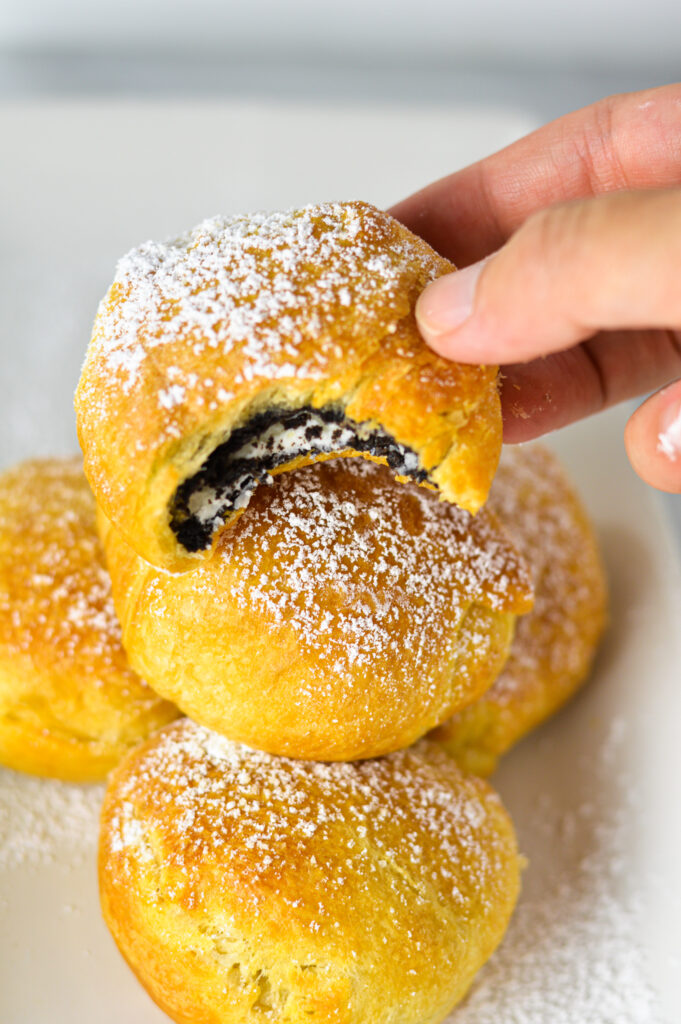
242,886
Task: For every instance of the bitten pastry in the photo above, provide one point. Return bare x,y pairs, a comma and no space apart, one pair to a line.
342,616
70,707
554,645
252,345
242,887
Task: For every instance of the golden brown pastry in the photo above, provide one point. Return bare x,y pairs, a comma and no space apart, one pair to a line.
252,345
342,616
243,887
554,645
70,707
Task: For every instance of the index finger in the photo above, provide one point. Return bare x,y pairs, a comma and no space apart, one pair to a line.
631,141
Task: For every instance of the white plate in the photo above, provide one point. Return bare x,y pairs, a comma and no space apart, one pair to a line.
595,794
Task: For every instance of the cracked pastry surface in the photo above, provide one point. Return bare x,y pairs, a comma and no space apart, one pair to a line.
242,887
70,705
208,349
554,645
342,616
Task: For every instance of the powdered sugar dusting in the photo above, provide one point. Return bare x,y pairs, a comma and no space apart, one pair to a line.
263,283
52,566
56,606
267,817
573,951
362,568
669,440
534,501
45,822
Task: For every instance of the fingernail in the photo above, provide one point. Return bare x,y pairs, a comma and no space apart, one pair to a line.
447,302
669,437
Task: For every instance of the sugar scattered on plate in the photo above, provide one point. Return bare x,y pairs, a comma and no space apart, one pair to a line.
571,954
43,821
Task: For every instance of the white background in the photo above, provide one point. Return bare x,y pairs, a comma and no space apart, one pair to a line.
601,32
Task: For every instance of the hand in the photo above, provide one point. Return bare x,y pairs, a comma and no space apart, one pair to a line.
572,242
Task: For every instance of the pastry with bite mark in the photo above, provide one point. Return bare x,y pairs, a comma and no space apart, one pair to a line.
554,646
242,887
342,616
254,345
70,705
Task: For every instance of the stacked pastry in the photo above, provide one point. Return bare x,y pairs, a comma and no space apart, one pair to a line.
70,705
315,629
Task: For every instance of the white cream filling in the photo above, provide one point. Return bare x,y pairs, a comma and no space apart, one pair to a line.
207,505
293,440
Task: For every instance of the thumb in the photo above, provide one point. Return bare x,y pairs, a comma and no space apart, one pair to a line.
569,271
653,439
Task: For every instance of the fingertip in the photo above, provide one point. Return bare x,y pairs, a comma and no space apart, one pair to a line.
443,315
653,439
443,306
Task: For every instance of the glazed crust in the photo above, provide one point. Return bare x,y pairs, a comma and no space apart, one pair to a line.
242,887
70,706
310,308
341,617
555,644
